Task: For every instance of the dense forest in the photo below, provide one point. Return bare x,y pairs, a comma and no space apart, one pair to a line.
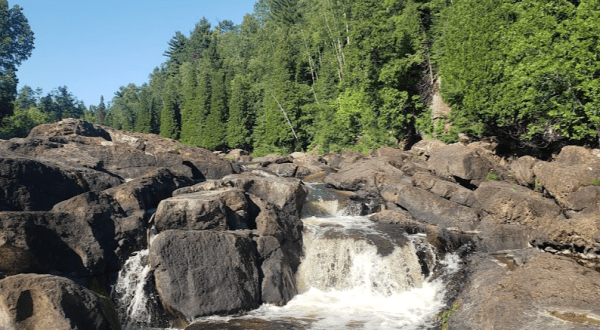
330,75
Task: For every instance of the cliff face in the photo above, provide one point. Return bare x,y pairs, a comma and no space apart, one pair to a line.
77,199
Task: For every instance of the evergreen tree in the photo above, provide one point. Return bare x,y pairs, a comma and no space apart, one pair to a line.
170,115
241,116
101,110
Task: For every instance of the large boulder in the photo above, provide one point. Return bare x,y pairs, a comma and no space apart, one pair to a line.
460,162
426,206
48,242
573,169
427,147
287,194
511,203
527,290
221,209
202,273
446,189
362,174
27,184
36,302
146,191
522,170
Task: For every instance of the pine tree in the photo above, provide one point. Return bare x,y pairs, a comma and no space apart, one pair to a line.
101,110
169,124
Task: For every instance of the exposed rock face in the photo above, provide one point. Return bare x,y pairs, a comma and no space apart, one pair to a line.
362,174
458,161
205,272
32,301
425,206
48,242
528,290
77,199
511,203
573,169
72,142
222,209
27,184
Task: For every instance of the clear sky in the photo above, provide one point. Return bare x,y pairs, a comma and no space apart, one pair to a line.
95,46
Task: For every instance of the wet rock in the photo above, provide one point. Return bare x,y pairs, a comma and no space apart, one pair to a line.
535,291
279,283
221,209
202,273
32,301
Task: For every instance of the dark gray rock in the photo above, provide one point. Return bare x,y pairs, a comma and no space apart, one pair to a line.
47,242
32,301
221,209
279,283
27,184
205,272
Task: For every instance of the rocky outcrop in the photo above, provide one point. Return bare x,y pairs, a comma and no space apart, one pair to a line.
48,242
573,169
221,209
462,163
27,184
74,143
526,289
32,301
205,272
77,199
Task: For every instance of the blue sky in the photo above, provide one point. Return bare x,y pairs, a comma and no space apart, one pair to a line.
95,46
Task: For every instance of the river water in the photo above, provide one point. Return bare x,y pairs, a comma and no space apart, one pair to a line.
355,274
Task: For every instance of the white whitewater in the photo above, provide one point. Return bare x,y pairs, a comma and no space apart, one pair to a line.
344,283
133,302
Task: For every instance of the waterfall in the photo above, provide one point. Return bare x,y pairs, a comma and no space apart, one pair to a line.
136,301
355,275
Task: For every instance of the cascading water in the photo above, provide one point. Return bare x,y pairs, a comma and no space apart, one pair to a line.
355,274
137,305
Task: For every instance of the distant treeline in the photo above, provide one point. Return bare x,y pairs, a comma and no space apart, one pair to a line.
329,75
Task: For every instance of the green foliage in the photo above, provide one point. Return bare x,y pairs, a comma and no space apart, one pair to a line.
22,121
445,315
16,44
524,70
492,176
591,183
169,124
